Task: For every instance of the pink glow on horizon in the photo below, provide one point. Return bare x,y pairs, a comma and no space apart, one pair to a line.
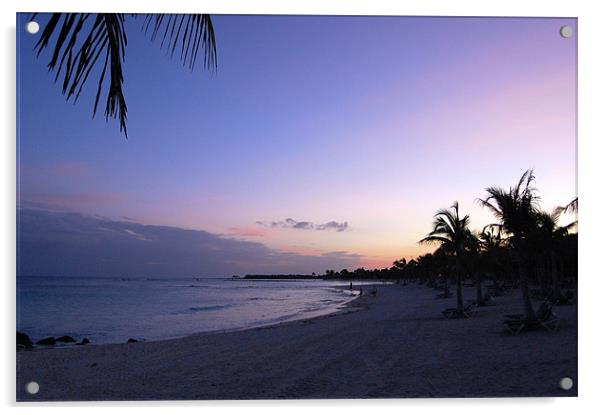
247,231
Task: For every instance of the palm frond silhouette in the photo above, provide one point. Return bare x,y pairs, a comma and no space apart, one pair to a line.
81,41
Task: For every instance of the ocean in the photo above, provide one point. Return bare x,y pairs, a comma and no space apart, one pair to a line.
112,310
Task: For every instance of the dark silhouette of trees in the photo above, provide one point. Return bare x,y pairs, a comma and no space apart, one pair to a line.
474,264
516,210
399,264
81,42
572,207
495,258
451,232
526,246
549,238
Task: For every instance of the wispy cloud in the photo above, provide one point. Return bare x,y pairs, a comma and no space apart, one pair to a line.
337,226
136,235
69,201
306,225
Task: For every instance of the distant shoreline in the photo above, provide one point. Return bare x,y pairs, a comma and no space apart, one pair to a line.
258,277
284,277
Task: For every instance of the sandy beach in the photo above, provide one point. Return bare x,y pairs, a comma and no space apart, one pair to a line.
396,344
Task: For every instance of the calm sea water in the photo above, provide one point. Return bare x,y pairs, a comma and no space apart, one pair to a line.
111,310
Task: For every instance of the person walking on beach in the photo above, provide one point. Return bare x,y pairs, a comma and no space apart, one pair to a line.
350,285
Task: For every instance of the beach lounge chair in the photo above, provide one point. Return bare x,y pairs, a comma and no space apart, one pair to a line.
543,311
470,308
446,293
488,300
544,318
453,312
497,290
564,299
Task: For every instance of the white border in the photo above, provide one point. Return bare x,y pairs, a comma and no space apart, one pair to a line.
590,114
548,8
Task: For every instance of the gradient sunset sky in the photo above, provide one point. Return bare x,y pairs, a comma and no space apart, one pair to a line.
356,128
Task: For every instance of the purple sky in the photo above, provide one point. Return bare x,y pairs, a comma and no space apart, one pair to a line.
375,122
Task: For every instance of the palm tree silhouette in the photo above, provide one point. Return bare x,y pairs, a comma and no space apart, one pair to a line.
451,232
549,238
492,252
516,209
399,263
85,40
475,263
572,207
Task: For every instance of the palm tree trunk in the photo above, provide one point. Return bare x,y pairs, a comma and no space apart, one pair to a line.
561,273
554,275
479,289
524,286
459,302
540,269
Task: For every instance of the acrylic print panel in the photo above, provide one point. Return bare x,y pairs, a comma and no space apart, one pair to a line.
291,207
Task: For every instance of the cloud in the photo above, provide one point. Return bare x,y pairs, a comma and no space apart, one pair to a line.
136,235
301,225
293,224
68,243
338,226
69,201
